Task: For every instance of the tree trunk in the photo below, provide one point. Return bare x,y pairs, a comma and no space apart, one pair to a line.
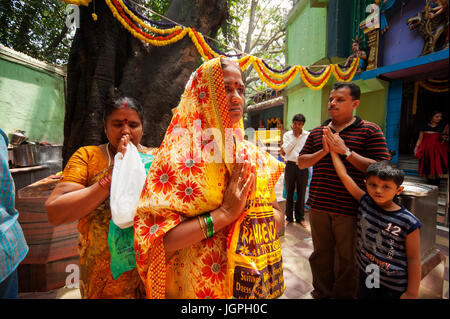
105,56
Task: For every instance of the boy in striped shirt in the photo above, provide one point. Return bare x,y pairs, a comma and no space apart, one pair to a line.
388,244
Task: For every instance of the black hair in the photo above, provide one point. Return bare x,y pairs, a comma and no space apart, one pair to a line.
386,171
299,118
355,91
434,112
119,101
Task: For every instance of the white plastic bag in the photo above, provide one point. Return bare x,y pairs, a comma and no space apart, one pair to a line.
128,178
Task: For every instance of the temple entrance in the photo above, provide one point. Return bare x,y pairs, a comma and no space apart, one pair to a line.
417,104
413,117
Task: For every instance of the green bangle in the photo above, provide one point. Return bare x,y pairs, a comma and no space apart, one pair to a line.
209,225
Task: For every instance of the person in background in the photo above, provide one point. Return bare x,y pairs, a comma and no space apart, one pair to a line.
83,194
13,246
432,149
388,234
357,53
296,179
333,210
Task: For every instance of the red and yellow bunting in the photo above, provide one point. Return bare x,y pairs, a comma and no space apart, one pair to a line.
244,62
436,86
275,79
348,74
315,82
202,47
119,13
78,2
146,25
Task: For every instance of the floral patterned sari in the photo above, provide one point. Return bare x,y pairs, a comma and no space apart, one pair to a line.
188,177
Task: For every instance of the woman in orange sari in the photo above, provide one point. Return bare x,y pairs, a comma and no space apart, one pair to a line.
207,220
83,194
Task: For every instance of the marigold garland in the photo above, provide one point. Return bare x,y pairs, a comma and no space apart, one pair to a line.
245,61
272,74
273,78
274,84
202,47
256,66
138,33
434,88
315,82
145,25
345,76
78,2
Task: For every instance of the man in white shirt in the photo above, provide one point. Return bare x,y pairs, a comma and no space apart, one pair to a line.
295,178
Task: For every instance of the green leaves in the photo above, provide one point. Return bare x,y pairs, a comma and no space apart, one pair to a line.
36,28
256,27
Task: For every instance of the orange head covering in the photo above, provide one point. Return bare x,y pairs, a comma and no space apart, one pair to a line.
187,178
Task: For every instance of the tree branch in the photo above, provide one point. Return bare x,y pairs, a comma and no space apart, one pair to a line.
251,26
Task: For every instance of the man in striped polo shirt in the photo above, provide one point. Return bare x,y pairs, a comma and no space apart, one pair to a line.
13,247
332,209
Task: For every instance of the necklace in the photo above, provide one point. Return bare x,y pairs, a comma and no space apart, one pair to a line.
109,157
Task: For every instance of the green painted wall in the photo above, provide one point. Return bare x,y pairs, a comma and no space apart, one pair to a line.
306,34
304,101
374,94
32,97
306,45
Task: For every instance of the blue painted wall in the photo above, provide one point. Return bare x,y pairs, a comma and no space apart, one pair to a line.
394,109
399,43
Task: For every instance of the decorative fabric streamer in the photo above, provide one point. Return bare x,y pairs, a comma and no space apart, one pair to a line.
168,33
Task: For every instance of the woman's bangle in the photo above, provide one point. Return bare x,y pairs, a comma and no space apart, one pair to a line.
199,218
209,225
105,182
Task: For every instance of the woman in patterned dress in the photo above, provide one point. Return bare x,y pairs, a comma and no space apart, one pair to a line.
83,194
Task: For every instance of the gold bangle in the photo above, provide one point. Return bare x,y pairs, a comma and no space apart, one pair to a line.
199,218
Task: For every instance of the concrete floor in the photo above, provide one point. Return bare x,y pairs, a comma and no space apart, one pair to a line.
296,249
297,246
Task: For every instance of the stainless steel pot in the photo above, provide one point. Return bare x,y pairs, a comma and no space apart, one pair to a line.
26,155
17,138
